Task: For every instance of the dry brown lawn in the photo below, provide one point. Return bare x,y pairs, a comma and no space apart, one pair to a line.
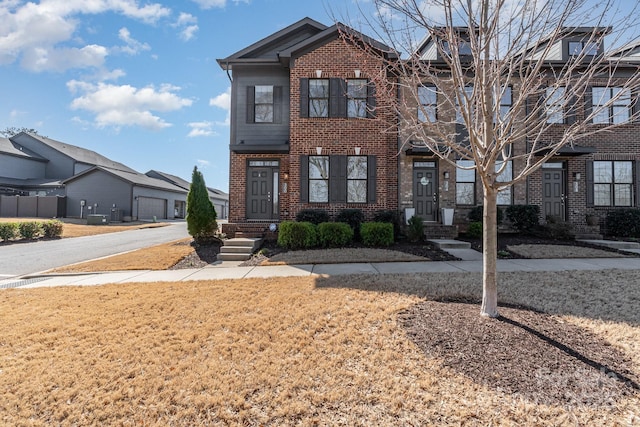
159,257
299,351
340,255
561,251
76,228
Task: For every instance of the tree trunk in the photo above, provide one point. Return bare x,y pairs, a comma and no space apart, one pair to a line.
489,254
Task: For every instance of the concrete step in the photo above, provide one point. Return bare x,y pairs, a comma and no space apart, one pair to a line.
233,257
614,244
450,244
238,249
243,241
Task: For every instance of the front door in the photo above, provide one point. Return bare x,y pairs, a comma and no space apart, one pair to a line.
262,190
553,192
425,187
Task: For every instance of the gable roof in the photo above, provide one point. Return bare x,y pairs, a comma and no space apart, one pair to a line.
172,179
268,49
14,149
133,178
81,155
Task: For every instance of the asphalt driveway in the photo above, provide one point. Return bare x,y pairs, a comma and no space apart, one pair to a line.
26,258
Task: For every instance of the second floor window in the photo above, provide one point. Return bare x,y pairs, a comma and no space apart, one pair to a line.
318,97
583,48
554,104
263,107
612,105
468,93
505,103
357,98
428,108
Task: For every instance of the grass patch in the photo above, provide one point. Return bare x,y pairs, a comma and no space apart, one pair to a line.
77,228
290,351
159,257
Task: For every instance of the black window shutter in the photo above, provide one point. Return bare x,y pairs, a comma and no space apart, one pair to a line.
571,113
337,98
371,179
371,100
637,182
589,183
304,97
338,179
588,103
277,104
251,101
304,179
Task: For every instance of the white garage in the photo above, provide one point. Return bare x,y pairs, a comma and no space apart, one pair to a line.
149,207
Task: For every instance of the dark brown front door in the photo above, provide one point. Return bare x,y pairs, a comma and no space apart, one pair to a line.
262,201
553,193
425,196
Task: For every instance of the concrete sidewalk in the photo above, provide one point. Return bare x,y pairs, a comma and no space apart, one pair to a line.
232,270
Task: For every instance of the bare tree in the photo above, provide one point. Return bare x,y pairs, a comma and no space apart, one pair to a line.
485,86
12,131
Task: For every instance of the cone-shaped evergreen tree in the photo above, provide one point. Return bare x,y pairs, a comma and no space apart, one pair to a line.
201,215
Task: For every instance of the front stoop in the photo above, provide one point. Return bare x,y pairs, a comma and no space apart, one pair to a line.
238,249
450,244
434,230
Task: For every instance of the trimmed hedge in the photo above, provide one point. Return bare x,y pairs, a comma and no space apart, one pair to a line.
353,217
52,228
377,233
314,216
623,222
30,230
334,234
475,214
416,229
8,230
392,217
297,235
475,230
524,217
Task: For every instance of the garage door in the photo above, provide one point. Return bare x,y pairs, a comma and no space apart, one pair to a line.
148,207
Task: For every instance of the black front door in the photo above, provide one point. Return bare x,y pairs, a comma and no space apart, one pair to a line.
262,200
425,196
553,193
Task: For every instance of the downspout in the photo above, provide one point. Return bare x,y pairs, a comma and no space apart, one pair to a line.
227,70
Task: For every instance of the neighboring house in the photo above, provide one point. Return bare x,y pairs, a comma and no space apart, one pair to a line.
303,136
32,165
303,128
219,198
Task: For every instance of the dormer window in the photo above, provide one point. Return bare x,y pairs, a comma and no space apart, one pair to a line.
464,48
577,48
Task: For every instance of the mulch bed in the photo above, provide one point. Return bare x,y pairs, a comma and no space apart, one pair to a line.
201,257
530,354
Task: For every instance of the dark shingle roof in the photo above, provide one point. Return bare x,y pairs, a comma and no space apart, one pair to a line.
9,147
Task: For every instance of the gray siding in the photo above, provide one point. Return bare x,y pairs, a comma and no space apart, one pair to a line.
99,188
258,133
20,167
59,165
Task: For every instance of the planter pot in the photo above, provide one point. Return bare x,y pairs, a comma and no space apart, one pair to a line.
447,216
408,213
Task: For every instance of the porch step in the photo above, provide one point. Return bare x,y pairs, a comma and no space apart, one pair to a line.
614,244
238,249
434,230
450,244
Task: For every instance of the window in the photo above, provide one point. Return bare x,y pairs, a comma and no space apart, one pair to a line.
611,105
465,183
612,183
357,98
318,97
464,48
554,100
263,107
504,196
468,93
318,179
505,103
356,179
428,99
583,48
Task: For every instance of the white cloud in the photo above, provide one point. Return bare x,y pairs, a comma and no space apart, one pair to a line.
223,101
188,26
201,129
39,32
126,105
209,4
203,163
133,46
188,33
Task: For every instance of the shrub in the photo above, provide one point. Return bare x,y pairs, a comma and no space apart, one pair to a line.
524,217
623,222
52,228
557,229
392,217
416,229
475,214
377,233
314,216
8,230
334,234
353,217
297,235
30,229
201,215
475,230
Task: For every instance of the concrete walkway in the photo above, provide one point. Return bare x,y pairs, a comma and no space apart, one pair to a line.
232,270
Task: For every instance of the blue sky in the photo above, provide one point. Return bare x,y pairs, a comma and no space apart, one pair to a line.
134,80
